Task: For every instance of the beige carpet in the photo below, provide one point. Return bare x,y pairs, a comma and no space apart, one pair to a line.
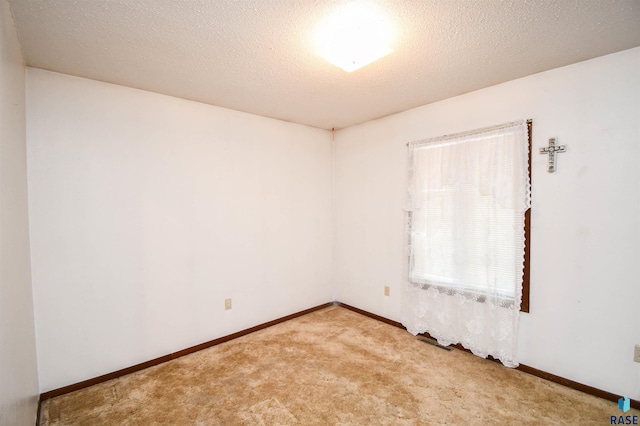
330,367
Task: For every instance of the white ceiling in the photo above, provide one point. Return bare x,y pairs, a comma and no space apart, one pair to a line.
257,56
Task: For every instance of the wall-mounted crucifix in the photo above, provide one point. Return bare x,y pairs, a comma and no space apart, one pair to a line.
551,150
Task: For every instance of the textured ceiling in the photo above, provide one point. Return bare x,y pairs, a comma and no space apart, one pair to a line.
257,55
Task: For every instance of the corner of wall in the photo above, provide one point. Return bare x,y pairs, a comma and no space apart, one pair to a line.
18,364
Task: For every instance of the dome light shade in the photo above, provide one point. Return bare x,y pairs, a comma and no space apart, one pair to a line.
354,36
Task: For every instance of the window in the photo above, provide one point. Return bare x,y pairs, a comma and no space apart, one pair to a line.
469,196
464,238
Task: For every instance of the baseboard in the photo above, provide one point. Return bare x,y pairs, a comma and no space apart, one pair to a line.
525,368
114,375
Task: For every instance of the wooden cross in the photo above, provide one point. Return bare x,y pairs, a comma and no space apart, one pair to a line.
551,150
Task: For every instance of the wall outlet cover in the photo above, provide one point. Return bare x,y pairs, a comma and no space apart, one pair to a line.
227,304
636,354
386,290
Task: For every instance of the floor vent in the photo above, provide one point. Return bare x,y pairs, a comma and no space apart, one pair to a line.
434,343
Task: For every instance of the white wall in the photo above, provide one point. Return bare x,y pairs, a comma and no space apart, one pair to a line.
148,211
585,294
18,370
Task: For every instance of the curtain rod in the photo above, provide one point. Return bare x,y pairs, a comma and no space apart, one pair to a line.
471,132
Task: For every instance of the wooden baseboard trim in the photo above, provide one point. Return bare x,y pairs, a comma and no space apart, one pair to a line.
525,368
370,315
109,376
575,385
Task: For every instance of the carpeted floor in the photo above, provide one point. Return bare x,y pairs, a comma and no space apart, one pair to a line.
330,367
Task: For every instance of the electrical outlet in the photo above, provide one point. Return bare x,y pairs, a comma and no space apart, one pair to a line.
227,304
386,290
636,354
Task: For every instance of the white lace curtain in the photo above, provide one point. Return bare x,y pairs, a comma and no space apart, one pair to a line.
467,197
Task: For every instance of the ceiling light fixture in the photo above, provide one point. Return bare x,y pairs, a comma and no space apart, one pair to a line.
354,36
